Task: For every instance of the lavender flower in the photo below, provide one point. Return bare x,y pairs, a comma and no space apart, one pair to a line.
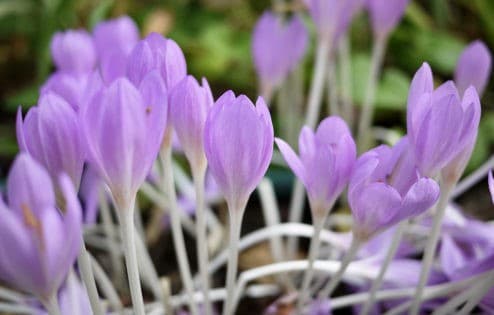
277,48
38,246
385,189
439,124
73,51
325,164
123,135
385,15
491,185
50,133
189,107
238,141
473,67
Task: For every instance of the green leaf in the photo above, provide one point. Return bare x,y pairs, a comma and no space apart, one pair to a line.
100,12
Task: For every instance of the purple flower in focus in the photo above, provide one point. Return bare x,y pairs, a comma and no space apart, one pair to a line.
50,133
385,15
73,51
473,67
325,163
238,142
385,189
439,124
38,245
123,134
277,48
157,53
189,107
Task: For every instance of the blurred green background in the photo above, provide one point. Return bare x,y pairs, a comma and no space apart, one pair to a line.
215,36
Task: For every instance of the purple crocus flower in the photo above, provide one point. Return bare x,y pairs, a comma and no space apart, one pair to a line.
385,15
325,163
162,54
439,124
277,48
73,51
238,142
38,245
50,133
385,189
473,67
189,107
123,136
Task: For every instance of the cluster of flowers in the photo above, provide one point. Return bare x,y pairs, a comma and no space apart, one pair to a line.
107,116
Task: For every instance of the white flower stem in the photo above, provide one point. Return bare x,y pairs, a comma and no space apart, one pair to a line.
178,237
365,121
126,218
231,274
202,238
344,52
477,294
106,285
376,283
295,216
51,305
333,105
431,246
84,262
473,178
335,279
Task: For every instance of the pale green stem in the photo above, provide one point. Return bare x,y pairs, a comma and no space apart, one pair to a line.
106,285
431,246
478,294
84,262
51,305
333,106
364,134
346,80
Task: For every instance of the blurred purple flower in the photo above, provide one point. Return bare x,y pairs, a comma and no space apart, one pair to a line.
50,133
73,52
473,67
157,53
38,245
491,185
238,141
123,135
439,124
277,48
385,15
189,107
325,164
91,184
385,189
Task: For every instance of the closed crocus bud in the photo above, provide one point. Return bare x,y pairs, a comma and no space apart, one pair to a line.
277,48
162,54
50,133
122,135
439,124
71,88
325,163
238,142
473,67
385,15
189,107
385,190
73,51
38,245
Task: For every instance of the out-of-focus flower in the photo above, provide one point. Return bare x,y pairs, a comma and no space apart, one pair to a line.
123,136
189,107
73,52
50,133
238,141
385,189
325,164
89,191
491,185
385,15
473,67
439,124
38,245
157,53
277,48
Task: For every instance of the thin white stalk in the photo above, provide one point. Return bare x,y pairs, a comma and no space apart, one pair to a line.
6,308
87,276
231,271
431,246
365,121
473,178
309,273
376,284
333,106
126,218
147,269
477,294
167,295
106,285
178,237
335,279
51,305
11,296
202,237
295,216
344,52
